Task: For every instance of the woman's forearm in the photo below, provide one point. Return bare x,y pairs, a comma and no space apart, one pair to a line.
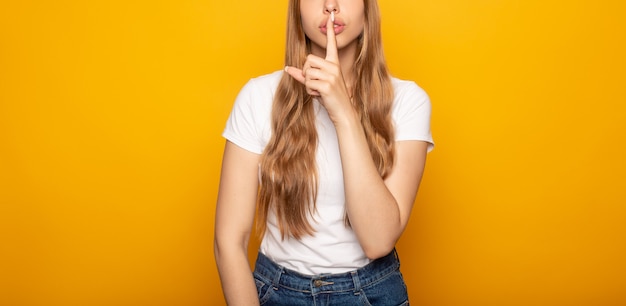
234,216
372,209
237,281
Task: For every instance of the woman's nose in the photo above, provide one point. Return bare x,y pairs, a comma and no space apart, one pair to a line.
331,6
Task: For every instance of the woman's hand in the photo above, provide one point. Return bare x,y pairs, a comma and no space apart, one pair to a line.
322,77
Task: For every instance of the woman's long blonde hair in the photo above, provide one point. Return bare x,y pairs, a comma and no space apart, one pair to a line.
288,168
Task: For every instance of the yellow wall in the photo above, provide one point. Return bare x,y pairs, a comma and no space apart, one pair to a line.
110,146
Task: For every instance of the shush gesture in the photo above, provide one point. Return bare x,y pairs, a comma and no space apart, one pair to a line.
322,77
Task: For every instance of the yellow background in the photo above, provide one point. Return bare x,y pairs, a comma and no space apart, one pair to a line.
110,121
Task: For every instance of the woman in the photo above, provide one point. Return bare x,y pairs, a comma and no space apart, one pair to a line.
329,153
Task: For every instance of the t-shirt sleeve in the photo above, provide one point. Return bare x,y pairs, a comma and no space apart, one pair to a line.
411,114
243,126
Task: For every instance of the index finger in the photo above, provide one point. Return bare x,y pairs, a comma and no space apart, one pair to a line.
331,40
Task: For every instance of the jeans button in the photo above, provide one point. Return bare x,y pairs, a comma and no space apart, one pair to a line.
317,283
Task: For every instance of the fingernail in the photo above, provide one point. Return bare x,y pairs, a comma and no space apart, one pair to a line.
286,67
332,16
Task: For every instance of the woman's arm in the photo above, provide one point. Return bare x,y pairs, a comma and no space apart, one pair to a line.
236,203
378,210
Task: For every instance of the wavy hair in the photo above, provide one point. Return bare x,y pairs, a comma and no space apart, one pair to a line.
288,171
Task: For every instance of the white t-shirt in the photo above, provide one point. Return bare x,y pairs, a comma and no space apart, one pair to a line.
334,248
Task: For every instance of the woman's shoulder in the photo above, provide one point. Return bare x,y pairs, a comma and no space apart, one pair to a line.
407,88
260,90
267,81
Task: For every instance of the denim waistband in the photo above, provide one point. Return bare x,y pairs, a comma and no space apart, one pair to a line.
354,280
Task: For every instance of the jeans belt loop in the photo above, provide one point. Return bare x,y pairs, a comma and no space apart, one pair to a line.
356,281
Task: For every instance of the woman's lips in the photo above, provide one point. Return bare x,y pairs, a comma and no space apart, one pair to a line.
339,27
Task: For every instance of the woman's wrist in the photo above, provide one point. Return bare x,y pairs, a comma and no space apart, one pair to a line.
347,119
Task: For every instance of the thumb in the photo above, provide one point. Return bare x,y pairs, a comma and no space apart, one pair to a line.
295,73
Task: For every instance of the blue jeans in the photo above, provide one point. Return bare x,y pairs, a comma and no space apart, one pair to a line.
378,283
